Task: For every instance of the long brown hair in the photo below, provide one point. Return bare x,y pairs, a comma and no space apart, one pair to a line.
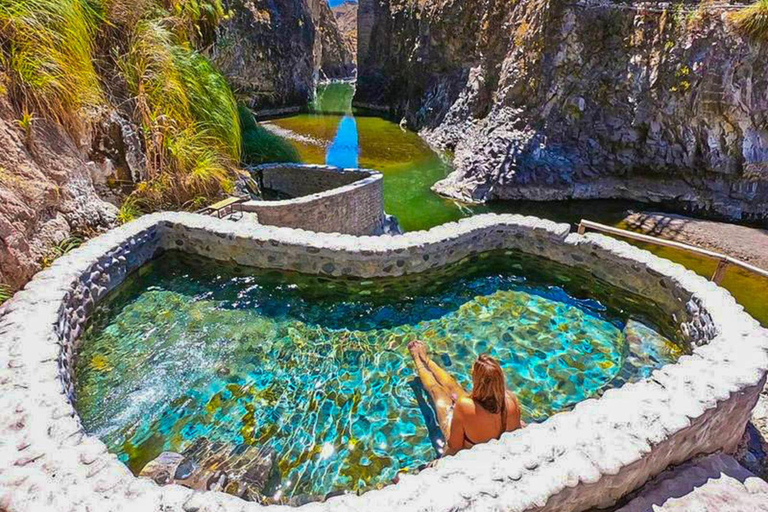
489,387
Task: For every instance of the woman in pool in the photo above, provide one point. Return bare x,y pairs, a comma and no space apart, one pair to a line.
467,419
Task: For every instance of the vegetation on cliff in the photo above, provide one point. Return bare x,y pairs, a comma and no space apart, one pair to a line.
47,56
73,60
189,117
5,293
752,21
261,146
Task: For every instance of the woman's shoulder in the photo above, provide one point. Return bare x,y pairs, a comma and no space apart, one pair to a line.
465,405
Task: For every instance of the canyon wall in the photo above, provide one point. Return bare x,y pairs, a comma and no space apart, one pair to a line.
48,194
547,99
336,59
346,19
273,53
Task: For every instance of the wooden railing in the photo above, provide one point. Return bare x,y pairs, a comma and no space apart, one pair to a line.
723,260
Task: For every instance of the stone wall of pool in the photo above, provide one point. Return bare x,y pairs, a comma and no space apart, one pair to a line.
587,457
323,199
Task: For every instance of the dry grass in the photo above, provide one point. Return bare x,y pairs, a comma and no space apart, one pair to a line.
47,50
188,113
196,20
189,116
752,21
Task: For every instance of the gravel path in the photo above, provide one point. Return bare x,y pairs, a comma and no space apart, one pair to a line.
745,243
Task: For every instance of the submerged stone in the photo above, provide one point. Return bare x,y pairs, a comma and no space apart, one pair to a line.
163,468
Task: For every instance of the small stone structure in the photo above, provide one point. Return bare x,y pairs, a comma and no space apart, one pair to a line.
587,457
324,199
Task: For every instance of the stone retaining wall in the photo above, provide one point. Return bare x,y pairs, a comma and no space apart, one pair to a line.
326,199
587,457
299,180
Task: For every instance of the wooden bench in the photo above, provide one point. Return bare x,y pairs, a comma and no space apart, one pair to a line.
231,204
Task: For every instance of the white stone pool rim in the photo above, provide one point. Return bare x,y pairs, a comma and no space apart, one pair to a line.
591,456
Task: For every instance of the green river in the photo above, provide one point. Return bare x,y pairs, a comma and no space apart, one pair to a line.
333,132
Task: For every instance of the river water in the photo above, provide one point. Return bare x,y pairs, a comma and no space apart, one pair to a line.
333,132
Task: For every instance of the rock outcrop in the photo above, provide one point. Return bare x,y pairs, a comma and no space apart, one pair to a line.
207,466
273,53
47,194
346,19
332,52
546,99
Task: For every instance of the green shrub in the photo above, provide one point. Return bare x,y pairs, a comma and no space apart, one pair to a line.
5,293
752,21
130,210
60,249
189,117
47,49
26,122
260,146
196,20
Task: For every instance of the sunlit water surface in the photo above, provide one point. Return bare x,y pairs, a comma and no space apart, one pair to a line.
316,369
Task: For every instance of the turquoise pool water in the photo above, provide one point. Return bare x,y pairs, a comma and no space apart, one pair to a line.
316,369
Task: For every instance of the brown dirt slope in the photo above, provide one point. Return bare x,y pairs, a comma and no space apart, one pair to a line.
742,242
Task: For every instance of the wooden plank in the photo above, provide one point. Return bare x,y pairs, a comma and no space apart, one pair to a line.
224,203
722,258
719,274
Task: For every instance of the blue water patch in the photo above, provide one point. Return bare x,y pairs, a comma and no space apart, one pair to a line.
345,150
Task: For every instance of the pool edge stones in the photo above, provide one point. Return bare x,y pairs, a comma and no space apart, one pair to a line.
587,457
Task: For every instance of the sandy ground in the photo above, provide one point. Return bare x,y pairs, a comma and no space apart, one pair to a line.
745,243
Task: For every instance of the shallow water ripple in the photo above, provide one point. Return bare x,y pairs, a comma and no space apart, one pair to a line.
317,369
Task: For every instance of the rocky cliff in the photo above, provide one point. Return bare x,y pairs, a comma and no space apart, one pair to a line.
273,53
47,194
346,19
336,59
547,99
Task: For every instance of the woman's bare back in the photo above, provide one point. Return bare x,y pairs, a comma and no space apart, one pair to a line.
480,425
